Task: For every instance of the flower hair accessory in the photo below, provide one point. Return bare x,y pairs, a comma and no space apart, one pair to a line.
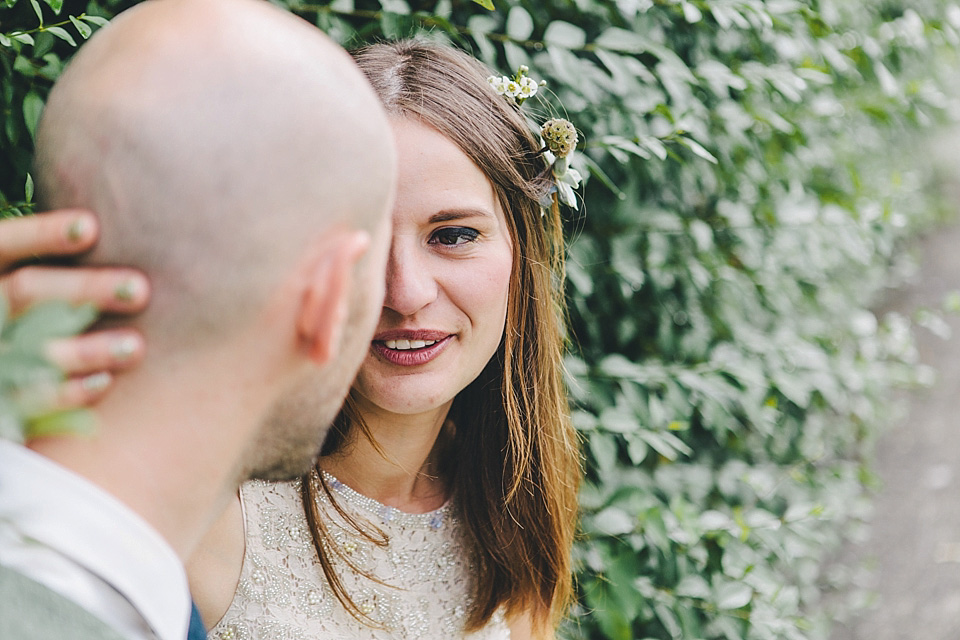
520,87
559,136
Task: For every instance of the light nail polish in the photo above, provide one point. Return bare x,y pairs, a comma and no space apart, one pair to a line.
96,382
76,230
125,291
123,348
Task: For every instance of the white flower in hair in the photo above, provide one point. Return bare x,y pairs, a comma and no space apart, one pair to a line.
528,87
499,83
559,138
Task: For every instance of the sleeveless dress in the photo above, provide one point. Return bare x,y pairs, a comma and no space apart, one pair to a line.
422,577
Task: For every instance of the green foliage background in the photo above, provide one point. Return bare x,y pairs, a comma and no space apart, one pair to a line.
750,179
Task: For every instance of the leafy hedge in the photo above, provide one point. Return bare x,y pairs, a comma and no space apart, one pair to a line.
749,181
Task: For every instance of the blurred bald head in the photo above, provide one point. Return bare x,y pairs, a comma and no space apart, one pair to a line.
215,139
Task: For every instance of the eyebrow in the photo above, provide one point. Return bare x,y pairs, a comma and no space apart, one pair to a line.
458,214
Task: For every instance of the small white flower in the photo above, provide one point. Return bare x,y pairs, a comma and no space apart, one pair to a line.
571,177
512,88
502,84
566,195
499,83
528,87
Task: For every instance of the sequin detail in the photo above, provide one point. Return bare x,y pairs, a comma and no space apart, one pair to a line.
422,584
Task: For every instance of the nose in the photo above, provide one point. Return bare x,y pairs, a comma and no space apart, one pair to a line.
411,284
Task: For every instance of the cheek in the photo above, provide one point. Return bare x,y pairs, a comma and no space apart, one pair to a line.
488,294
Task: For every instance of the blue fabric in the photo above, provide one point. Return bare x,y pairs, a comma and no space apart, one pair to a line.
196,631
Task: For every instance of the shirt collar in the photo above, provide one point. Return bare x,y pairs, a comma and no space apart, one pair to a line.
67,512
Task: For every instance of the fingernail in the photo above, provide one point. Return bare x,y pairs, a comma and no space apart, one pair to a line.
124,347
126,291
77,229
96,382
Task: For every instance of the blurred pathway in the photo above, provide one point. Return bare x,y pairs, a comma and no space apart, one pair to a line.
915,533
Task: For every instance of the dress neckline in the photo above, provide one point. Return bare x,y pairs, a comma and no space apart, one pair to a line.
388,515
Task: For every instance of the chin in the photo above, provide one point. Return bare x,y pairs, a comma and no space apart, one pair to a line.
404,399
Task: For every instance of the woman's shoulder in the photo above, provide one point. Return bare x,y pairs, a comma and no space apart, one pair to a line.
273,515
260,494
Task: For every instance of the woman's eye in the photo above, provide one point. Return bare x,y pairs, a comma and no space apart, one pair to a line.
452,236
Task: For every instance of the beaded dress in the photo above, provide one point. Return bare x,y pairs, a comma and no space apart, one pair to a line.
283,594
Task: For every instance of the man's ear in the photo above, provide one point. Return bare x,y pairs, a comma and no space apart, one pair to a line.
326,302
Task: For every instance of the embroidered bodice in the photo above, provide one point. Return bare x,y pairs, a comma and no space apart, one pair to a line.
283,594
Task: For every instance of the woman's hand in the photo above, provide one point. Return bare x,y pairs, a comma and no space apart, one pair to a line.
88,360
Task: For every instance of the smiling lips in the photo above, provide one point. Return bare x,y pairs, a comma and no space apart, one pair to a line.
410,348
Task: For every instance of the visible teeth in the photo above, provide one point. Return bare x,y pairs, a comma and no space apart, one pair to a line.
403,345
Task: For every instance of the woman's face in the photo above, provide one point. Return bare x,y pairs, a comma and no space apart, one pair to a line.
448,278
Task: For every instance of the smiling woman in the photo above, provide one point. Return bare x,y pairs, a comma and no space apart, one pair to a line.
444,502
448,279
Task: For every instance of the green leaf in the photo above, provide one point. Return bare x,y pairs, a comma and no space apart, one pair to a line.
613,522
668,619
391,25
690,12
618,420
37,10
44,44
519,23
28,188
637,448
697,149
25,371
515,55
96,20
693,586
61,33
616,39
56,5
25,38
32,108
604,450
83,29
609,616
75,422
48,320
665,443
712,520
486,4
565,35
5,41
400,7
733,595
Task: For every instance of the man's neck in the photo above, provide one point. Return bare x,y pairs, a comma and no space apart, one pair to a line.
164,452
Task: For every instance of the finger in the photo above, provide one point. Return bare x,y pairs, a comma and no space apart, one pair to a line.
82,391
111,350
72,393
113,290
57,233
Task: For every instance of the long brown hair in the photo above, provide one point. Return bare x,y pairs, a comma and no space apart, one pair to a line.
515,463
